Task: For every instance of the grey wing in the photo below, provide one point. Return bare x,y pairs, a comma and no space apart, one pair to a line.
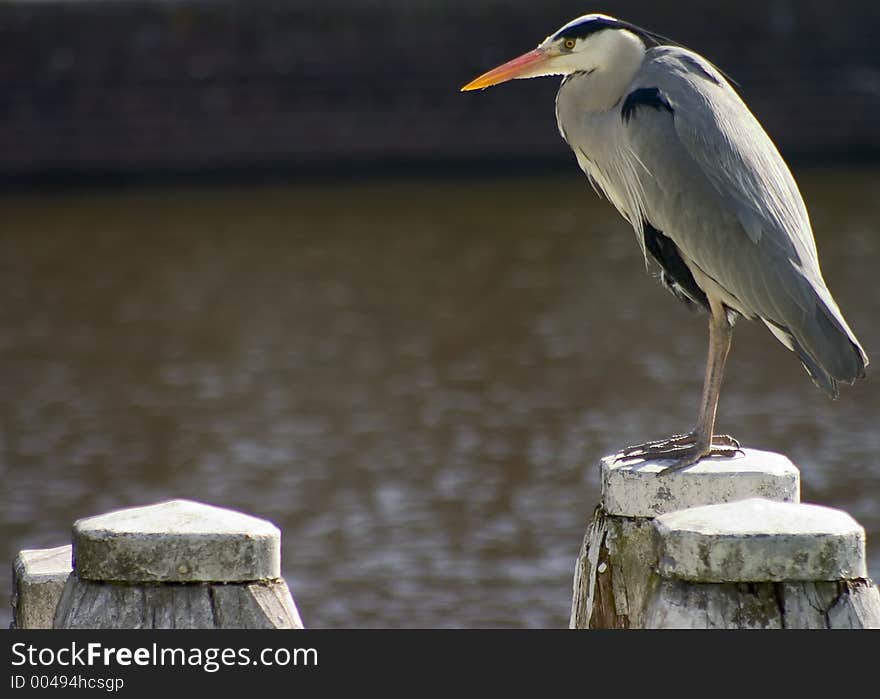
713,182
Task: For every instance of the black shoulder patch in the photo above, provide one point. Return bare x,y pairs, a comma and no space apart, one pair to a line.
644,97
674,273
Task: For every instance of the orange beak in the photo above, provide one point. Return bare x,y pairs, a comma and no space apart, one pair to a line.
520,67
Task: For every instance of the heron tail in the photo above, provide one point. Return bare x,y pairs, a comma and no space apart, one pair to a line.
827,347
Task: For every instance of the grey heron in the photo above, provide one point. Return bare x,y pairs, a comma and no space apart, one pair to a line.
661,133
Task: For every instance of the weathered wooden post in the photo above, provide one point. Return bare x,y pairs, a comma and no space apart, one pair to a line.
38,577
757,564
614,571
177,564
724,544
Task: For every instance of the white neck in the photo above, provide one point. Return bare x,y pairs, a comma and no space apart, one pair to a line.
621,54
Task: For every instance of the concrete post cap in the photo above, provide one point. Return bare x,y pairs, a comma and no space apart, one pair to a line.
176,541
39,576
758,540
635,487
44,565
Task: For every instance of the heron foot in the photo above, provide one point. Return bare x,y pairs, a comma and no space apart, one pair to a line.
682,449
661,448
682,457
639,450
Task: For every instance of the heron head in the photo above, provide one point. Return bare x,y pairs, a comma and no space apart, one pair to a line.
583,45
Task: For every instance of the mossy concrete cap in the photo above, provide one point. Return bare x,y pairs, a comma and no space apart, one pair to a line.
636,488
176,541
759,540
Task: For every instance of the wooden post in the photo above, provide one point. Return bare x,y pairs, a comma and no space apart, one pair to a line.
177,564
38,577
614,573
758,564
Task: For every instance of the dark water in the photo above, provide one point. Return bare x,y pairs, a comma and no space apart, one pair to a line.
415,380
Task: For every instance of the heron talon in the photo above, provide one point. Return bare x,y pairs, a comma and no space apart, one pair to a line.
727,441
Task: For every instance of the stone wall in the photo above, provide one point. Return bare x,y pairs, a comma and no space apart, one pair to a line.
131,86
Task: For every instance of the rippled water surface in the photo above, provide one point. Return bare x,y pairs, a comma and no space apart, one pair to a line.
414,379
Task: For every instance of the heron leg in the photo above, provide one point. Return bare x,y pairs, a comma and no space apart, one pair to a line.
685,450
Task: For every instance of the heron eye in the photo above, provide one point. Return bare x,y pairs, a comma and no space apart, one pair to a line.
569,44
